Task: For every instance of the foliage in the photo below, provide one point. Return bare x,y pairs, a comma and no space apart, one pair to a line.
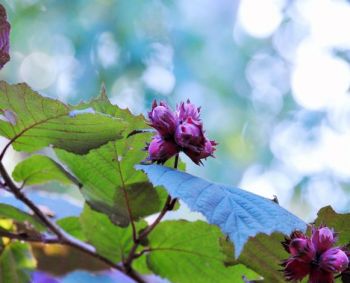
92,149
190,252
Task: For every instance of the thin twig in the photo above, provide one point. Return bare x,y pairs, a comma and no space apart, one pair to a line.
54,240
62,237
23,198
29,238
169,204
150,228
141,253
2,154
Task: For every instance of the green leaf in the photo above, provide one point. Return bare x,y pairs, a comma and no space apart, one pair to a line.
109,178
187,252
15,263
38,121
72,226
40,169
10,212
109,240
239,214
339,222
262,253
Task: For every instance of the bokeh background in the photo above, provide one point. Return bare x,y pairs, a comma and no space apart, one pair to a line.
272,77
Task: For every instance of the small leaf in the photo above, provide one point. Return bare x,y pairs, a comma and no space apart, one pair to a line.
109,240
13,213
16,262
187,252
40,169
41,121
239,214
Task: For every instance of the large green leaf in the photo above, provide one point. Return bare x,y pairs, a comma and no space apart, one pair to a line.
108,173
110,240
187,252
263,254
40,169
15,263
35,122
13,213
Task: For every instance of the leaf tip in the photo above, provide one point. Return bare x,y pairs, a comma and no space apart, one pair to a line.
103,92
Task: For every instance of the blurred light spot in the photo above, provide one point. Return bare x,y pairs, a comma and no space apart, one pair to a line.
68,69
268,183
318,79
260,18
339,116
335,151
127,93
268,77
321,192
328,20
38,70
209,101
161,54
297,147
287,39
107,50
264,71
62,45
267,98
159,79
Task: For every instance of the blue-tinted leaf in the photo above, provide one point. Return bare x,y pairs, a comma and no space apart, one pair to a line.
239,214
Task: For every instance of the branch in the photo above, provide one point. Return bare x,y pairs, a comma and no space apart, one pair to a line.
29,238
68,242
61,236
23,198
169,205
